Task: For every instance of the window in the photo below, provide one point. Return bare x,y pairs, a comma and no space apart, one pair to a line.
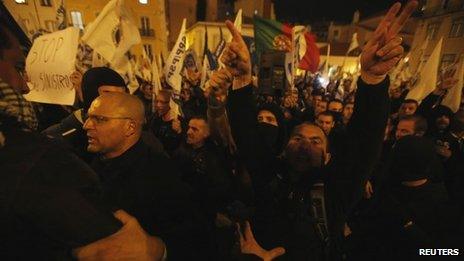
46,2
76,17
145,30
148,50
444,4
446,60
145,23
432,30
50,25
21,2
336,34
457,28
143,2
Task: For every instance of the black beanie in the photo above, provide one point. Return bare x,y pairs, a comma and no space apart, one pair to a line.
96,77
274,109
412,158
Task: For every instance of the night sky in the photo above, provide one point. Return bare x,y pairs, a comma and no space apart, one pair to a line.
309,11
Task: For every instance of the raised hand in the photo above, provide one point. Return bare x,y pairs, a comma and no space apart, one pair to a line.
447,78
176,126
219,82
236,57
131,242
248,245
383,51
369,191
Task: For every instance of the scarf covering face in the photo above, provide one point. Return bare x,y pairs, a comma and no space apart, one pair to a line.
278,136
412,158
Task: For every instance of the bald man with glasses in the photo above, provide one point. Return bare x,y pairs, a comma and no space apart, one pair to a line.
138,179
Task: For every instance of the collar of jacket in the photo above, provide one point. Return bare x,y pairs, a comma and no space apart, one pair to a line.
114,167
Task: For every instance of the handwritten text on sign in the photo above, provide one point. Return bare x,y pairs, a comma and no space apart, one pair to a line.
49,65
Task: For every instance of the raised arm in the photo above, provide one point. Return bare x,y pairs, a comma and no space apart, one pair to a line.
366,129
241,105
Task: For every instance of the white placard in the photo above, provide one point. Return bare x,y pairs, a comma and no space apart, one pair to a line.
49,64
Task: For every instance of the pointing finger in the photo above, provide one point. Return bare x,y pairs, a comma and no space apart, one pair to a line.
236,36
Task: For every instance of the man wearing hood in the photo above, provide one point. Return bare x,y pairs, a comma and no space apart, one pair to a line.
306,202
260,133
440,121
95,82
450,147
415,212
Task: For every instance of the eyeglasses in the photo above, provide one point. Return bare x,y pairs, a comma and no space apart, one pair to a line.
98,119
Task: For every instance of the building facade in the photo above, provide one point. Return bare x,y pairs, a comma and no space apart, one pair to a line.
440,20
176,11
342,33
148,15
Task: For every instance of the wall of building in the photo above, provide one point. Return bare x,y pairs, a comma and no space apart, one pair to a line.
443,19
32,16
176,11
263,8
155,35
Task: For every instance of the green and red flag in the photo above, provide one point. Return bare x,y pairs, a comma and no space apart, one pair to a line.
274,35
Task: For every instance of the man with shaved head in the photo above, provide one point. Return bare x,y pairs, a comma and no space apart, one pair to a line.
114,124
138,179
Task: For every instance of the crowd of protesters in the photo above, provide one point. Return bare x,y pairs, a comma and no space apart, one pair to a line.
310,173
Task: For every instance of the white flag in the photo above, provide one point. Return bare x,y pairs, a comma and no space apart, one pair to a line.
427,81
155,80
419,53
112,33
204,72
326,67
145,66
400,73
453,98
354,43
133,84
175,61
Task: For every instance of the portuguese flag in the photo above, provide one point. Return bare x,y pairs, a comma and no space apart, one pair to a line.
273,35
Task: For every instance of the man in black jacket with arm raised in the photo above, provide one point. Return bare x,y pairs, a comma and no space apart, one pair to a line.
304,208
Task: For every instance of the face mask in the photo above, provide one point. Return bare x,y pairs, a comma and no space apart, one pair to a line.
268,134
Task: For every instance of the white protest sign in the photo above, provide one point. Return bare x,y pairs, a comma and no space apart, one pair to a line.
49,65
